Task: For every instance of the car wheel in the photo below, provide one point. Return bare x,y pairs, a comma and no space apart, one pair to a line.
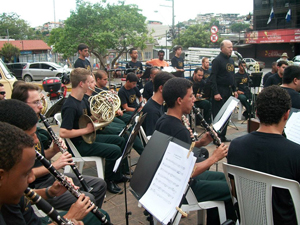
27,78
251,68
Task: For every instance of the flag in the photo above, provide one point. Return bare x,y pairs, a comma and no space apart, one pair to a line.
288,16
271,16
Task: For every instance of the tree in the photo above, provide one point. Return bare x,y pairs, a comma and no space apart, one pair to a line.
238,27
8,51
115,27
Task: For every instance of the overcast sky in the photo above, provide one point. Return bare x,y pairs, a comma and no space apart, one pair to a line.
38,12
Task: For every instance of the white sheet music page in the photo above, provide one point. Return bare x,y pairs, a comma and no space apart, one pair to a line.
167,187
218,125
292,128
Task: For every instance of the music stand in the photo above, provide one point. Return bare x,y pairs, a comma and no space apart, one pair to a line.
256,82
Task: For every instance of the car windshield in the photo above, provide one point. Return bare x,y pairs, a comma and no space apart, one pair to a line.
6,71
297,59
55,65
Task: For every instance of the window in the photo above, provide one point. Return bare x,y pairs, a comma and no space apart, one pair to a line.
45,66
34,66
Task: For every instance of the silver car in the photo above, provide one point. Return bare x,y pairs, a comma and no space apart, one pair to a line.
296,60
40,70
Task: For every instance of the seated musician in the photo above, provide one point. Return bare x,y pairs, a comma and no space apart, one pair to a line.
276,79
21,115
109,146
207,185
242,81
268,151
30,94
148,88
135,66
160,62
198,88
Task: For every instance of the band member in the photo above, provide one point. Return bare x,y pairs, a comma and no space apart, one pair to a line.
276,79
272,72
160,62
2,92
137,67
177,61
105,146
148,89
30,94
205,67
208,185
82,62
266,150
198,90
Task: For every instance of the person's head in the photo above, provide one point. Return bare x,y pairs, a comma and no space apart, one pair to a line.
272,104
91,82
83,50
160,79
291,76
131,80
133,53
79,78
179,92
274,67
198,74
178,50
2,92
281,65
101,78
153,72
284,56
30,94
19,114
161,55
226,47
205,63
242,66
17,157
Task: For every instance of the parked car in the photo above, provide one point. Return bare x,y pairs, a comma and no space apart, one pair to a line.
41,70
7,79
16,69
250,62
296,60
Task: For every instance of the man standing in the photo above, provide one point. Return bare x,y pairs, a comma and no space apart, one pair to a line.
82,62
266,150
291,83
178,62
276,79
242,86
136,66
148,89
272,72
160,62
222,78
205,68
284,57
2,92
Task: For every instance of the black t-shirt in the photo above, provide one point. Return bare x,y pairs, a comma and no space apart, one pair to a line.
136,65
148,90
206,74
273,154
2,222
266,76
79,63
242,83
71,111
173,127
295,97
274,80
154,112
179,64
129,96
198,87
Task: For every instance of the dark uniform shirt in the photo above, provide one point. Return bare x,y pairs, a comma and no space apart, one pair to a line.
129,96
295,97
274,80
79,63
198,87
179,64
148,90
138,69
242,83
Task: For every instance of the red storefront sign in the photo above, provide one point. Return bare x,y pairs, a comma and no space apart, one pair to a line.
273,36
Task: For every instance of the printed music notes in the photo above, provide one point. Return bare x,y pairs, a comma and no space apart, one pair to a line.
292,129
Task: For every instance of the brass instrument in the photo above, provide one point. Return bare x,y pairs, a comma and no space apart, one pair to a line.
44,104
103,107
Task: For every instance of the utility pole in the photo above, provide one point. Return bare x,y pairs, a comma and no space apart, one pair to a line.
54,13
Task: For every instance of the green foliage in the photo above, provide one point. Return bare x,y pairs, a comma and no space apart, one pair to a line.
8,51
115,27
238,27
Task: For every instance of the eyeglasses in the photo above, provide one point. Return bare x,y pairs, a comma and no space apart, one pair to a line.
2,92
37,102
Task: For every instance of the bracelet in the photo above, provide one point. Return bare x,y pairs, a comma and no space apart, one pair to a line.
48,195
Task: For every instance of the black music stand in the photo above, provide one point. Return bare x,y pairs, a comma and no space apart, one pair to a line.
256,82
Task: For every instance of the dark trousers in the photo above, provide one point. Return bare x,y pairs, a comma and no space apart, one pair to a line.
245,102
206,106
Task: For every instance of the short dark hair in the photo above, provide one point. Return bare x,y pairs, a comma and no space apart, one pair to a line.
274,63
99,74
281,62
175,88
18,82
271,104
176,47
82,46
20,91
203,59
131,50
198,69
12,142
290,73
241,62
160,79
161,51
131,77
153,69
17,113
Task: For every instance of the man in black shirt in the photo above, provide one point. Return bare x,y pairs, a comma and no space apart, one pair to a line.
291,83
222,78
276,79
207,185
266,150
205,67
272,72
148,89
82,62
136,66
242,86
178,62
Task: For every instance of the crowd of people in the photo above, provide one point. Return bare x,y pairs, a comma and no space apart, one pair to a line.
168,97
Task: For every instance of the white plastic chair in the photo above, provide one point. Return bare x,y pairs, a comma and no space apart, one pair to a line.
81,159
254,193
240,112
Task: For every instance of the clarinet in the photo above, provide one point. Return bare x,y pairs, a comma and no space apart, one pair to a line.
43,205
184,121
63,180
211,131
56,141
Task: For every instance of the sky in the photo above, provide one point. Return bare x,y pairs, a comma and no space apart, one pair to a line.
38,12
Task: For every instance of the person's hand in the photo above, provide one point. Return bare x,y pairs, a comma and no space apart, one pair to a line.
236,94
89,128
220,152
240,92
217,97
61,143
205,140
119,112
57,189
80,208
64,160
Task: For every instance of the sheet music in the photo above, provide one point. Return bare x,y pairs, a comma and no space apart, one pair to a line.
218,125
167,187
292,128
